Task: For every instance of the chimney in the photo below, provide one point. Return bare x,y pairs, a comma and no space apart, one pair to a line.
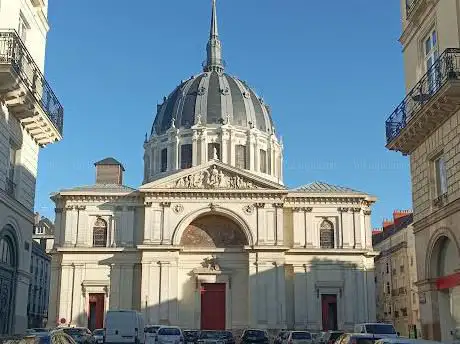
109,171
398,215
387,223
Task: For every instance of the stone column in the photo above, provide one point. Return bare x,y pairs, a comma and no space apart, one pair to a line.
232,143
148,218
82,226
300,300
224,136
70,222
429,309
65,293
166,231
126,286
280,293
368,228
55,291
115,283
310,230
154,292
195,150
260,223
58,233
298,217
279,225
357,227
349,294
145,293
347,228
253,291
265,292
164,299
251,147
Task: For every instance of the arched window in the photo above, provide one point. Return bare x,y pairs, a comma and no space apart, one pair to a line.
6,252
100,233
326,234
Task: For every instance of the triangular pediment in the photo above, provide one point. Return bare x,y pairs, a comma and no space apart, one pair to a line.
213,175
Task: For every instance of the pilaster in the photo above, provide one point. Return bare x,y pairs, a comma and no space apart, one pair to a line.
224,137
279,237
260,223
232,143
70,233
58,233
347,228
357,227
195,147
82,226
300,301
166,231
299,226
368,228
251,147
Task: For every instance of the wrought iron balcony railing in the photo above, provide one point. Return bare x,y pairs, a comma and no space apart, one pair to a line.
410,6
446,68
13,52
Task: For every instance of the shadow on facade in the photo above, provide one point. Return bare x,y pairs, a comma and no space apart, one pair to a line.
322,293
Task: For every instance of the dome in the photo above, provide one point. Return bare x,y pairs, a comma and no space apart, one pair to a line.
213,98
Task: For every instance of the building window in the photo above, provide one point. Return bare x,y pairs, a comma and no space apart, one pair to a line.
164,160
401,268
440,176
6,252
100,233
213,151
411,261
146,166
23,27
263,161
326,234
431,54
240,156
10,184
388,288
186,156
388,268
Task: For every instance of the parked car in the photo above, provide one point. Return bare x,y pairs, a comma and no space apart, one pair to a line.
98,336
299,337
210,337
357,338
228,337
37,330
47,337
254,336
170,335
124,327
191,336
81,335
401,340
280,337
331,336
378,329
150,332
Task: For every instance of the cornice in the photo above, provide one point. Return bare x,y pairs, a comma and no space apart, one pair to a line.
437,215
332,252
296,199
101,197
95,250
275,195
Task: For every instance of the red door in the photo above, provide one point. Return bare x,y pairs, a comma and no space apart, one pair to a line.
96,311
213,306
329,312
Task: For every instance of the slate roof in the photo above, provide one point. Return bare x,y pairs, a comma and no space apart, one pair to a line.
321,187
101,188
109,161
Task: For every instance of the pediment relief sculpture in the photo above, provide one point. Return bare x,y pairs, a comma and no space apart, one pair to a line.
213,178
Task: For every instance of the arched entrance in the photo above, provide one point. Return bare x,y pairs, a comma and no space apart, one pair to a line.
8,266
215,243
443,264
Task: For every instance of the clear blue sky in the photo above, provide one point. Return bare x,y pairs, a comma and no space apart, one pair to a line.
331,71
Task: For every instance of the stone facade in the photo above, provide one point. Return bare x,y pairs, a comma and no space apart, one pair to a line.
266,240
428,131
396,274
25,126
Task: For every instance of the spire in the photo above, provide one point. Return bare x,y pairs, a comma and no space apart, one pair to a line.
214,60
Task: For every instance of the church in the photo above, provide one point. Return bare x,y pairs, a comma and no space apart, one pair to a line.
213,239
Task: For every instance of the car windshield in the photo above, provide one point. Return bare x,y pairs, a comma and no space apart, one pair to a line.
380,329
168,331
301,335
75,331
225,334
151,329
98,332
210,335
44,339
254,333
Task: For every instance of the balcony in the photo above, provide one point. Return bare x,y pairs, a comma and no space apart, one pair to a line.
432,101
26,92
415,7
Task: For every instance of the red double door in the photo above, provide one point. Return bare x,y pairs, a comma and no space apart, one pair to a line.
96,311
213,306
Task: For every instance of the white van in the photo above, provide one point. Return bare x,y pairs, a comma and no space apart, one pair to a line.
378,329
124,327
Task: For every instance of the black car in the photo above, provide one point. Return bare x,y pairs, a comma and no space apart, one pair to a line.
255,337
81,335
191,336
227,337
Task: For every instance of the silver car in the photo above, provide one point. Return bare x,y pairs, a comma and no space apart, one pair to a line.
170,335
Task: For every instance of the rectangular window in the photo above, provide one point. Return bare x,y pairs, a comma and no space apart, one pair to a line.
10,182
240,156
401,268
263,161
164,160
22,28
213,151
186,156
431,54
441,176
